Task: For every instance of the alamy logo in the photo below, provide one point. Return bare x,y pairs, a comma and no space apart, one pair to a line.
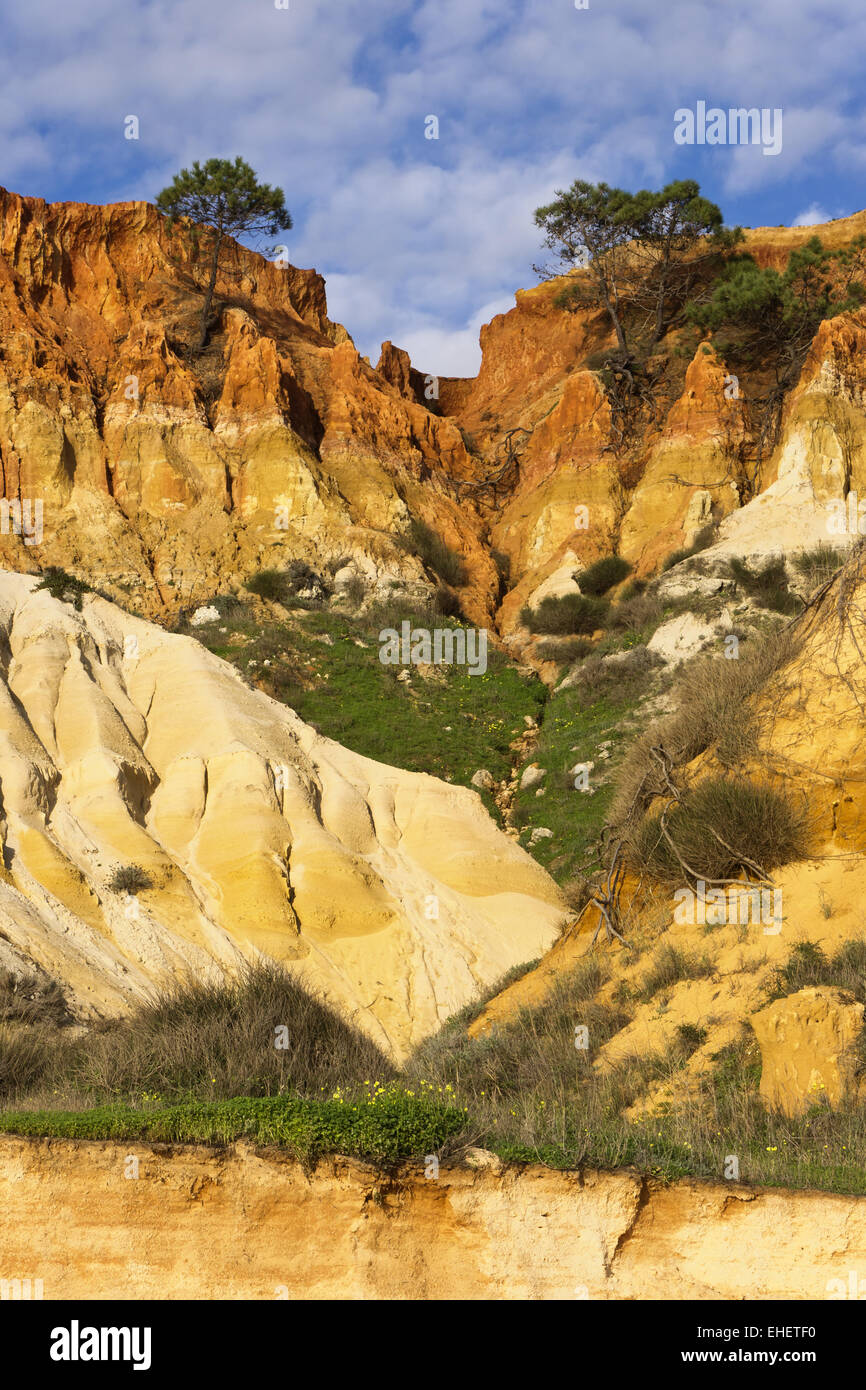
736,906
846,516
76,1343
737,126
854,1289
21,1290
23,524
444,646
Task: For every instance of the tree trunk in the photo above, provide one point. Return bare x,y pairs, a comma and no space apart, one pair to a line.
208,298
660,313
614,318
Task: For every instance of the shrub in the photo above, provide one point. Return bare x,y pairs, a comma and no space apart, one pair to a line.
129,878
818,565
623,677
636,612
712,700
355,591
503,567
63,586
572,613
565,650
280,586
218,1039
446,604
669,967
29,999
600,576
434,553
702,541
718,828
268,584
27,1056
769,585
633,589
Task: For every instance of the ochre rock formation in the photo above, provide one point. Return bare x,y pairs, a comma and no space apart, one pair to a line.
807,1043
239,1222
171,475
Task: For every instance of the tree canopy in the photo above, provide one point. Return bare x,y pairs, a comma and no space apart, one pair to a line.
643,251
221,199
762,313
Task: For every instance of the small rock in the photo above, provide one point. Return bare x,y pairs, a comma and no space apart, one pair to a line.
205,615
483,1158
530,721
540,832
484,779
532,776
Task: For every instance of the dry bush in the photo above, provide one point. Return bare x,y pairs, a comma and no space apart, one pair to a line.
218,1039
712,698
27,1057
31,1000
719,830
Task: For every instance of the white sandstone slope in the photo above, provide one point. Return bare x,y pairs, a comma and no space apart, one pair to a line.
121,744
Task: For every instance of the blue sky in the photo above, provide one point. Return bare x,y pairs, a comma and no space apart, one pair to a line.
423,240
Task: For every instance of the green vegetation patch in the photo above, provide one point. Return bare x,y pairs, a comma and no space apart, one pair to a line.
326,667
381,1123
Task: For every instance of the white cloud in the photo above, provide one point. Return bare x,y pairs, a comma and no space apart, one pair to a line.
811,217
417,237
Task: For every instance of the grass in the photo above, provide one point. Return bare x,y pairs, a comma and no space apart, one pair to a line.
31,999
807,965
530,1089
818,565
448,725
257,1034
669,966
573,728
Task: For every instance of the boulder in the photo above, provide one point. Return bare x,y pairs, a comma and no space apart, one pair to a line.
807,1041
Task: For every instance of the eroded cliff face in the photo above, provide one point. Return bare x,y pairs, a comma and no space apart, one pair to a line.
165,476
168,475
242,1223
257,835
